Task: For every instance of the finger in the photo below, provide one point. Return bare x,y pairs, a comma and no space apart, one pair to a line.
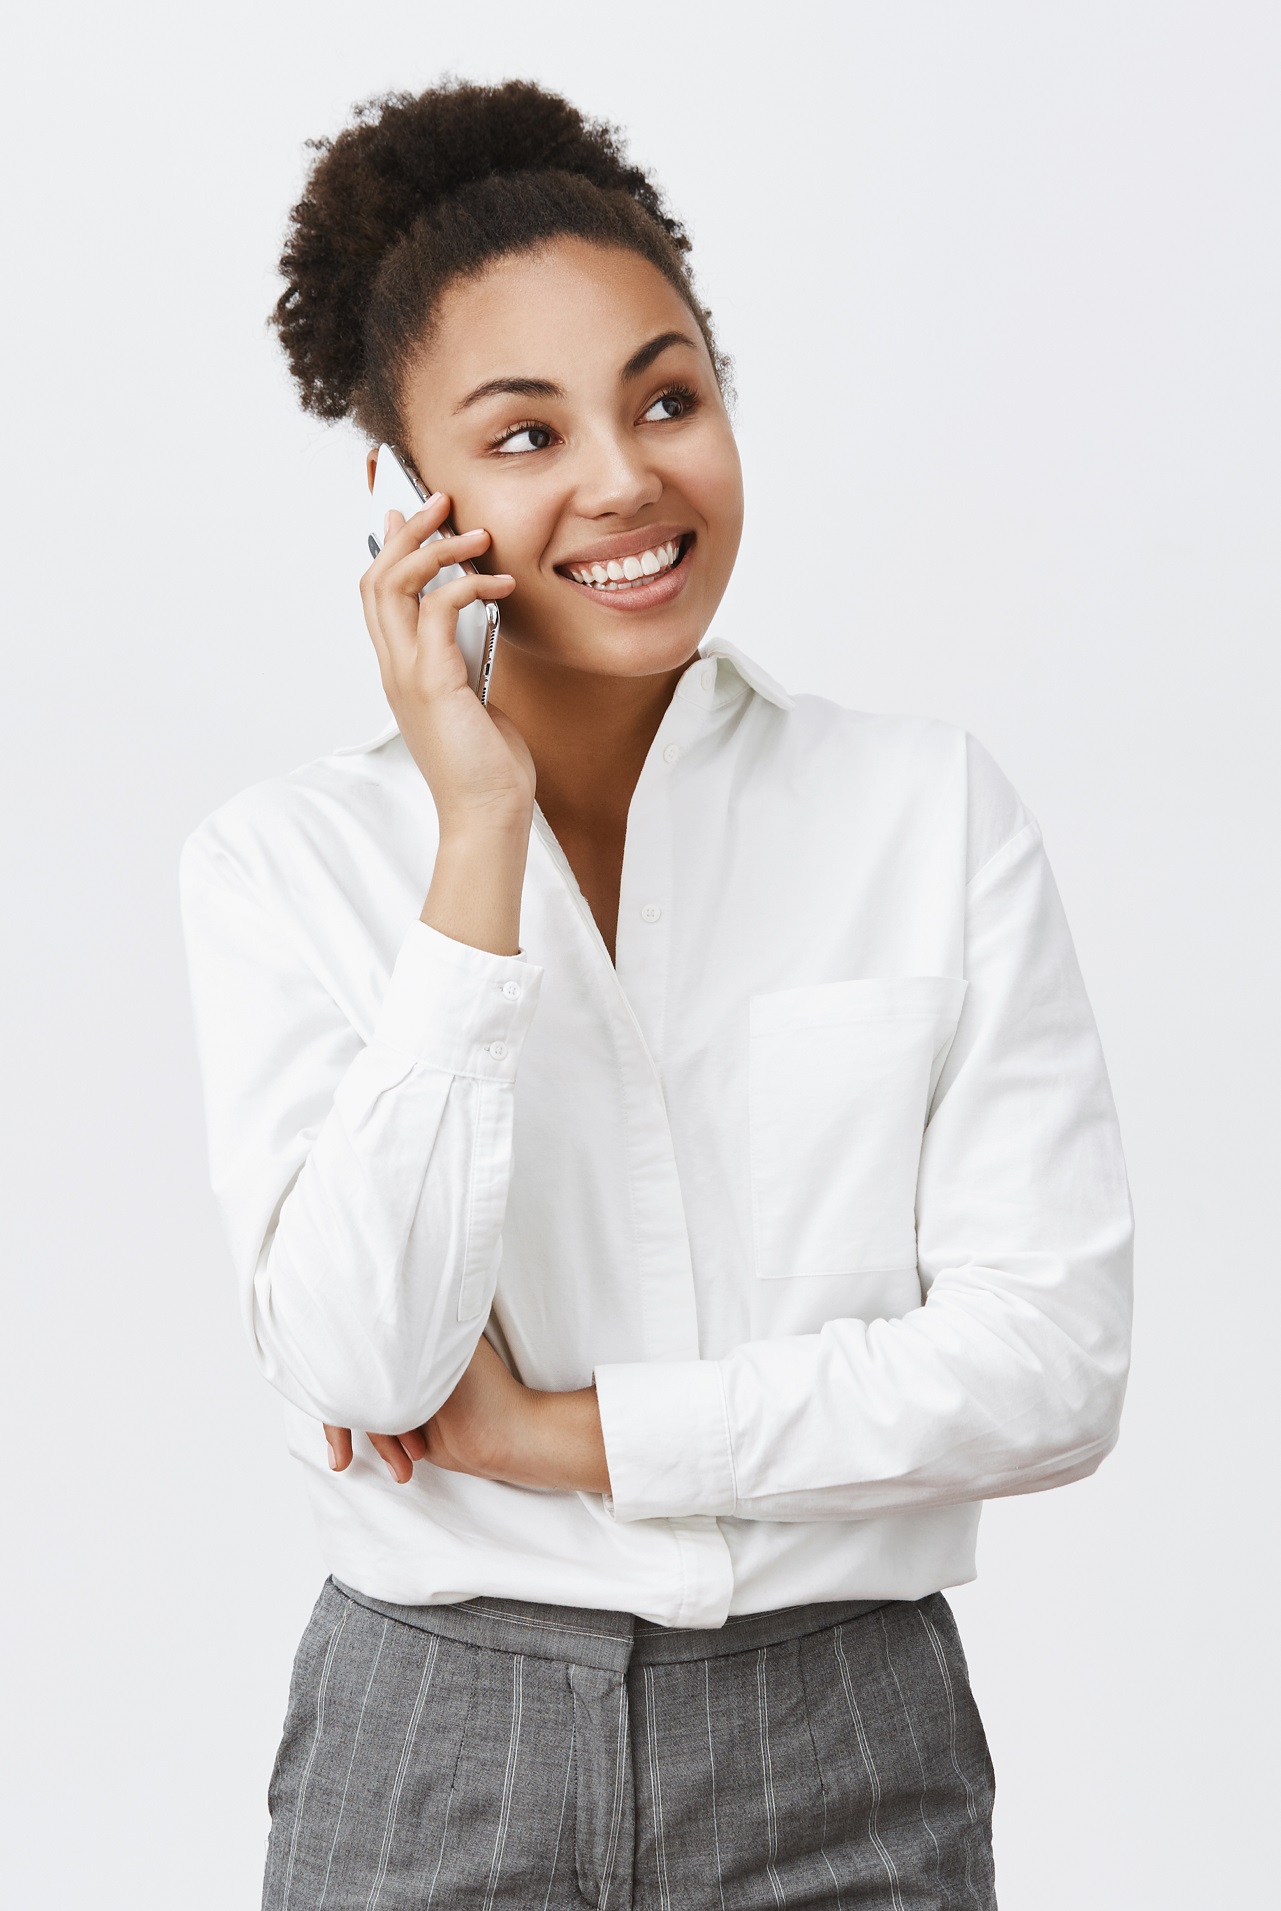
401,534
373,624
413,572
397,1461
398,610
396,594
437,667
414,1443
437,620
339,1439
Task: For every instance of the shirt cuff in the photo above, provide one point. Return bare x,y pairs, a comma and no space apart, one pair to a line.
457,1008
667,1442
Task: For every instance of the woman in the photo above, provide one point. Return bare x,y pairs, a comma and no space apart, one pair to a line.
697,1205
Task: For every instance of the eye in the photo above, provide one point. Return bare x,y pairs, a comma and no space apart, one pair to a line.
675,402
525,438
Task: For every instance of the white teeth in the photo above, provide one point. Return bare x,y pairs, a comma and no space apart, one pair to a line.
624,573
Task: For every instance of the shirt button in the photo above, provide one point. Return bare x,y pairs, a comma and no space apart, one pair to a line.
511,990
671,753
497,1050
651,912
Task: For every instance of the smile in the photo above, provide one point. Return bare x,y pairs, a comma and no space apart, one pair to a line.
629,573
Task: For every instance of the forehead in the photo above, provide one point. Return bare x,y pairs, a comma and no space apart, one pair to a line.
571,312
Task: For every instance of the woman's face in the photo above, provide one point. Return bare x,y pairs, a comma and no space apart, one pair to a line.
567,404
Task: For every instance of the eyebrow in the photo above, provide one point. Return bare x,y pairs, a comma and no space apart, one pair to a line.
510,387
640,361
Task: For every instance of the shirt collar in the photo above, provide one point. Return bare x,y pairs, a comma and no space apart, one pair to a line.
733,670
731,663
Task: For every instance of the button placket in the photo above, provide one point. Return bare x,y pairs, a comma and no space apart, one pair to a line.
629,995
645,899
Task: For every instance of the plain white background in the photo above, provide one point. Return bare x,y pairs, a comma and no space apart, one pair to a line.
1001,284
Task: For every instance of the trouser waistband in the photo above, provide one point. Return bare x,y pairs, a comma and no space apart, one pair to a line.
608,1641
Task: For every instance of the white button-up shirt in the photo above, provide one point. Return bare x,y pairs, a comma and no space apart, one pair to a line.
821,1180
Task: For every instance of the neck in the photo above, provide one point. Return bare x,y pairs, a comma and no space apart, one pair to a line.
588,735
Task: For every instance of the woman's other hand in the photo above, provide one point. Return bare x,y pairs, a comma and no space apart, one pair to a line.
496,1429
399,1451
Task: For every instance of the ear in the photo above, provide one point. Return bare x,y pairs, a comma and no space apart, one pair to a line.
371,461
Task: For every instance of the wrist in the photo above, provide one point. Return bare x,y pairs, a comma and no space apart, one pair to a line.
476,887
502,831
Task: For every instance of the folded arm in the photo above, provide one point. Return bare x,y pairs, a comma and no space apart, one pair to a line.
362,1184
1009,1378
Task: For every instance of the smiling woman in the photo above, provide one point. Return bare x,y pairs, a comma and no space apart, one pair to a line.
605,443
667,1233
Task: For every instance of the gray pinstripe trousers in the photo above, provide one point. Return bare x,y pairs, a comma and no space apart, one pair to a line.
507,1754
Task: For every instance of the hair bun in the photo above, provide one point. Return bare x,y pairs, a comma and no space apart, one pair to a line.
399,162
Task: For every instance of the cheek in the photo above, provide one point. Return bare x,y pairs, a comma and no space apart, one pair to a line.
519,528
713,482
515,522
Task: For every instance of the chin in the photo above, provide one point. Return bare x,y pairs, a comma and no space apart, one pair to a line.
609,646
624,611
637,652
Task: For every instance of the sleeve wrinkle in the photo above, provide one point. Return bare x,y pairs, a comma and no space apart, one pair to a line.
344,1165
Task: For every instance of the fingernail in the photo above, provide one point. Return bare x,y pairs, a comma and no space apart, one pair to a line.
391,1469
386,526
435,498
333,1457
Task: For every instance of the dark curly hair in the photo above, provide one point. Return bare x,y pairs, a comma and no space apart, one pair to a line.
424,189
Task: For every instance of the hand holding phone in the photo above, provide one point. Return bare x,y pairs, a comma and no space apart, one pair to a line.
396,488
415,593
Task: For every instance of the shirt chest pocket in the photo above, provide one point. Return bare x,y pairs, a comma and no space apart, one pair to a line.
840,1079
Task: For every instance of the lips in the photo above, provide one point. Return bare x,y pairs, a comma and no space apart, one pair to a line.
618,545
639,579
621,573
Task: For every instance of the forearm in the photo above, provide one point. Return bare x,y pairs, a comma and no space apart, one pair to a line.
498,1429
557,1443
476,886
970,1397
376,1279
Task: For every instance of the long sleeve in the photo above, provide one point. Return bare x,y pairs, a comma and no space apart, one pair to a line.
362,1185
1010,1376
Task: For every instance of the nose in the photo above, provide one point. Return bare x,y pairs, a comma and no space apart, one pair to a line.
616,476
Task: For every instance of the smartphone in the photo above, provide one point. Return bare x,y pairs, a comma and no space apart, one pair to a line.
397,489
